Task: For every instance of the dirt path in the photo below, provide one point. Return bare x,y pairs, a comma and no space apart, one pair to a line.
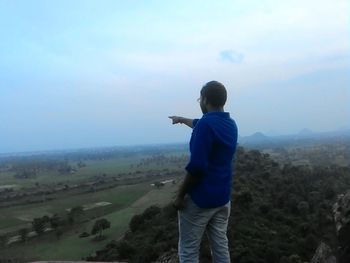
160,197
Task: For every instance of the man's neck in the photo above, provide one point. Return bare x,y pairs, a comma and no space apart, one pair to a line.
212,109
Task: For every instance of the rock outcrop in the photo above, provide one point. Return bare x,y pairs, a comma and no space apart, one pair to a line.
169,257
341,211
323,255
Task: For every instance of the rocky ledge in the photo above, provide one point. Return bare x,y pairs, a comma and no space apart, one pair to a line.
341,213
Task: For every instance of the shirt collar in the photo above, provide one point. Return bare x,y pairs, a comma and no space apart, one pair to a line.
217,113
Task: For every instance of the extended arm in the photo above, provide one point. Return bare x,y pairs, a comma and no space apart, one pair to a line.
182,120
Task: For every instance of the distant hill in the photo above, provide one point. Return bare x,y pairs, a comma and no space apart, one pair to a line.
258,136
259,140
305,132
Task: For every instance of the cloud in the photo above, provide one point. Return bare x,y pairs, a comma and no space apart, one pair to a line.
231,56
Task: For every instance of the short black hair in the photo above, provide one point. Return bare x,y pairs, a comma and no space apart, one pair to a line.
215,93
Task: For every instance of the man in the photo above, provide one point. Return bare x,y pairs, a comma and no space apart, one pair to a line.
203,200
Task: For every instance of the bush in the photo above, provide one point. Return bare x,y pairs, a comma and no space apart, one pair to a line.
264,208
135,222
138,220
84,234
99,226
303,208
151,212
124,250
244,199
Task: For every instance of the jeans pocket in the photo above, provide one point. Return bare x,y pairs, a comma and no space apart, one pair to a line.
193,212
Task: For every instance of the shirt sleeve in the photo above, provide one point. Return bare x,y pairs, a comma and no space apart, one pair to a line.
194,122
201,145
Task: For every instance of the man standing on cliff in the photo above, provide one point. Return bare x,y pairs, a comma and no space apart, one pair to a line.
203,200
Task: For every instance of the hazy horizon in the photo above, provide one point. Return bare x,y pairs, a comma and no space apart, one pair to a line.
80,74
271,134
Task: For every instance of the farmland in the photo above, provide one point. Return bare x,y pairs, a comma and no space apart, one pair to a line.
114,188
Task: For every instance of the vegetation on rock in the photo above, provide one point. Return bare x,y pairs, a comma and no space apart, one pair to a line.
279,213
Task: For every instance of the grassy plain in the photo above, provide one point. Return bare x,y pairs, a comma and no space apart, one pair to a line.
120,197
126,201
110,167
71,247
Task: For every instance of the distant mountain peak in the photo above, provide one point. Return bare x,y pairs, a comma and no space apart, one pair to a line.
305,131
258,135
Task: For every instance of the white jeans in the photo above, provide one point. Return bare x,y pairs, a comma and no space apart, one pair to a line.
193,221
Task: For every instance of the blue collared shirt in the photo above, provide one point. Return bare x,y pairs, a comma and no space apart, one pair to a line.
213,144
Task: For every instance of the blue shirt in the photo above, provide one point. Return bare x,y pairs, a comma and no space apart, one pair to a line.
212,146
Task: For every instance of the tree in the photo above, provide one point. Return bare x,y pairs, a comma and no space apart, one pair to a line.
135,222
56,221
99,226
23,232
158,184
25,174
75,214
150,212
294,259
3,241
58,232
64,168
264,208
125,249
329,192
38,225
46,219
244,199
81,164
303,208
310,243
138,220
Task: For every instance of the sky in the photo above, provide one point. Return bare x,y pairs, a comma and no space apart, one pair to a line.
76,74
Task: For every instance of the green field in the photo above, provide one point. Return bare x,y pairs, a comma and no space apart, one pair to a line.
131,199
110,167
124,201
93,167
15,217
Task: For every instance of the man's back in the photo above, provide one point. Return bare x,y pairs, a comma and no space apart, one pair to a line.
213,144
208,180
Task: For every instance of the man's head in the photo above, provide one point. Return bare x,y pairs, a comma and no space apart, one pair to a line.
213,96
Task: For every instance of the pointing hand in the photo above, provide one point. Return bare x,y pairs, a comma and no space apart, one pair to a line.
175,119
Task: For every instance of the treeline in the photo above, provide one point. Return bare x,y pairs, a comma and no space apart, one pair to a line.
317,155
279,215
92,154
163,160
58,225
30,168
